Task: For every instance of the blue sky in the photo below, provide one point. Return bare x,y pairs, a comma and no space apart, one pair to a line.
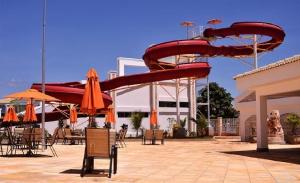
90,33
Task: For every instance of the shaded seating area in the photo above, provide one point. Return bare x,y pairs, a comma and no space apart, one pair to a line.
100,143
24,141
153,136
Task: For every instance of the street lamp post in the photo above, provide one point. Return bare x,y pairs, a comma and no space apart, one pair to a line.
43,73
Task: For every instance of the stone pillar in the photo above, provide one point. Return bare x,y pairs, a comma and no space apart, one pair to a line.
153,100
112,93
261,123
242,127
219,126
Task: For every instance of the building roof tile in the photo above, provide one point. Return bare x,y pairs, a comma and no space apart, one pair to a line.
289,60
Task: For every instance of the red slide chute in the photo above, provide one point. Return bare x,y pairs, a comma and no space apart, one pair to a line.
72,92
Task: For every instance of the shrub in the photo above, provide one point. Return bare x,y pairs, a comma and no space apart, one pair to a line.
201,123
294,121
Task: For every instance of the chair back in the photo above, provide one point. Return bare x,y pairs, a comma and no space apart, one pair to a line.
148,134
120,135
18,131
124,133
60,133
112,137
159,134
26,137
78,132
37,134
54,136
97,142
68,132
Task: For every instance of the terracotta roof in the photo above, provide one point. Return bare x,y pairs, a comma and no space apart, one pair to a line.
295,58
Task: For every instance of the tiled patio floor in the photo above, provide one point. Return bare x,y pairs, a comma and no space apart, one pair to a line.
176,161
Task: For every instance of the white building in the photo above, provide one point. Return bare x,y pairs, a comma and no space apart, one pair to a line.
273,87
143,97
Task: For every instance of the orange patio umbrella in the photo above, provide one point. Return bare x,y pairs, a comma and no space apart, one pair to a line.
10,115
31,94
73,115
30,115
92,98
110,115
153,117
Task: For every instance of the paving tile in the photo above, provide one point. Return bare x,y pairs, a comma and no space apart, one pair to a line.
176,161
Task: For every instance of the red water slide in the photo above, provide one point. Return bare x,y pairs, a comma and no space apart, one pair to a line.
72,92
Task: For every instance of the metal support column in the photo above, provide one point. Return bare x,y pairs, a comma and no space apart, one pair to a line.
43,74
255,51
210,128
177,95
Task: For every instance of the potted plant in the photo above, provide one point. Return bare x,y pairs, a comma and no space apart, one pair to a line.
179,130
201,123
136,120
293,121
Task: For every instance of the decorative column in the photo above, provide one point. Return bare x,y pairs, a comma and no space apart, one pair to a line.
153,99
219,126
261,123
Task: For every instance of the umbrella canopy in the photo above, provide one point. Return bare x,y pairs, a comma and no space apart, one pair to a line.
110,115
92,98
153,117
10,115
30,115
73,115
31,94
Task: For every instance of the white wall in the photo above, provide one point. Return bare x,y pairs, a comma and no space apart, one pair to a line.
284,78
137,98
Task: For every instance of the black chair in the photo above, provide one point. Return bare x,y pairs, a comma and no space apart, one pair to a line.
51,142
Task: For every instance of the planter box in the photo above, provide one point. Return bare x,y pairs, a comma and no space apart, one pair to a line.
179,133
293,139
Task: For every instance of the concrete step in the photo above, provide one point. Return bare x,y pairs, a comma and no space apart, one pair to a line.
227,137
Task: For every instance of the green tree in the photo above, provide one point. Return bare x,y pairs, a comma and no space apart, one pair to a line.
136,121
220,102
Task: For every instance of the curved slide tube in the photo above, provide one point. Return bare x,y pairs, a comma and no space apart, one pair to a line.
204,48
72,92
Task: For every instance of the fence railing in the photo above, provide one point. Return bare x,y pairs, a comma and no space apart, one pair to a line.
225,126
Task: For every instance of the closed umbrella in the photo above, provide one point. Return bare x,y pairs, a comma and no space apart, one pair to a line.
10,115
73,115
110,115
153,117
30,115
92,97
